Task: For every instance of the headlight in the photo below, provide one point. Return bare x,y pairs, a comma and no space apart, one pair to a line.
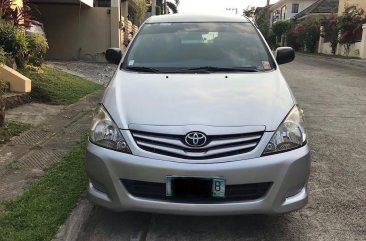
289,135
104,132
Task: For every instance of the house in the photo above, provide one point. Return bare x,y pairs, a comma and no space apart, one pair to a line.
82,29
285,10
358,49
344,3
319,9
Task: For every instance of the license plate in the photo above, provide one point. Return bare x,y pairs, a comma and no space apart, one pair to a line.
195,187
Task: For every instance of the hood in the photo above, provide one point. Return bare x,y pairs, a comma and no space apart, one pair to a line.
235,99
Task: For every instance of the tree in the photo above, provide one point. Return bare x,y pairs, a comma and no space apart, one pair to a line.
138,9
262,21
249,12
170,6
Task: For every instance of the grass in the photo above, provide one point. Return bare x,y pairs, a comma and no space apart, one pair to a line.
39,212
57,87
12,129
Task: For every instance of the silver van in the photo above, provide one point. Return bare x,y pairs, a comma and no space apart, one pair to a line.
198,120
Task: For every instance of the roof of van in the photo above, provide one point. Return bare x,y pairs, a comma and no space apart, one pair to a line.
185,18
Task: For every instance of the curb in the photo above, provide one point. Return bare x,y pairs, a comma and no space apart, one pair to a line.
77,220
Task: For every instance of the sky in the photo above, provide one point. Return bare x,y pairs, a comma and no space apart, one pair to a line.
218,6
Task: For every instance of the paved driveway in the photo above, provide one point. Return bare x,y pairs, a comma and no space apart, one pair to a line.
334,99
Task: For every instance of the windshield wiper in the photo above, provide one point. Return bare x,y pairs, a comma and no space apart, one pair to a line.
143,69
221,69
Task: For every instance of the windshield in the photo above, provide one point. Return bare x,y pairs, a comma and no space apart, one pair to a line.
185,47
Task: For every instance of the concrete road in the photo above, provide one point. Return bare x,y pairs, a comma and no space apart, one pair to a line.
334,99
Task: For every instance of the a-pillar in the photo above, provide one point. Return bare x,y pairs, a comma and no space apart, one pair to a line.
363,43
115,23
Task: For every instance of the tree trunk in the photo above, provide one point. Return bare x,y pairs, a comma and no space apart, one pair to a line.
268,2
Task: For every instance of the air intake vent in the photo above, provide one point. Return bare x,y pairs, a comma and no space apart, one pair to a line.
234,193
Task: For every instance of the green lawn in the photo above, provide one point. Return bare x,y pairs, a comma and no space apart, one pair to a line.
11,129
40,211
57,87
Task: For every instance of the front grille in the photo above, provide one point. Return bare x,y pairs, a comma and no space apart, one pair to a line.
217,145
233,193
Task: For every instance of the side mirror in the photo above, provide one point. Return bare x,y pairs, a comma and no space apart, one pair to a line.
285,55
113,55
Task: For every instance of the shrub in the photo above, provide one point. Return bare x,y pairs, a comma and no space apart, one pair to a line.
262,21
307,33
331,32
271,40
280,28
350,26
37,48
2,56
14,42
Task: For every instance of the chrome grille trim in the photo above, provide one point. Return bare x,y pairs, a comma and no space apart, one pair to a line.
218,145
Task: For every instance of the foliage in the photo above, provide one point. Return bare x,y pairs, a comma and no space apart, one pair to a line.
14,42
39,212
139,8
12,129
37,46
158,10
262,21
249,12
19,16
171,6
58,87
2,56
350,26
292,39
3,87
281,27
307,32
331,32
271,40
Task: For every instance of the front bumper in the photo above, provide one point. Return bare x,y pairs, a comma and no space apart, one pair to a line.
288,171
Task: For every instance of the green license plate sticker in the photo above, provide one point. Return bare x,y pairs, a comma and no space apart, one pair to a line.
218,187
169,189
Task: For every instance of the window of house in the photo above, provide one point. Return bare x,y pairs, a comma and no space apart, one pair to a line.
102,3
295,8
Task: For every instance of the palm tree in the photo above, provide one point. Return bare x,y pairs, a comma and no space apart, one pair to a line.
168,6
173,6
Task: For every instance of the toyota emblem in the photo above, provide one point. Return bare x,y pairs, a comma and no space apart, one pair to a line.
195,139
